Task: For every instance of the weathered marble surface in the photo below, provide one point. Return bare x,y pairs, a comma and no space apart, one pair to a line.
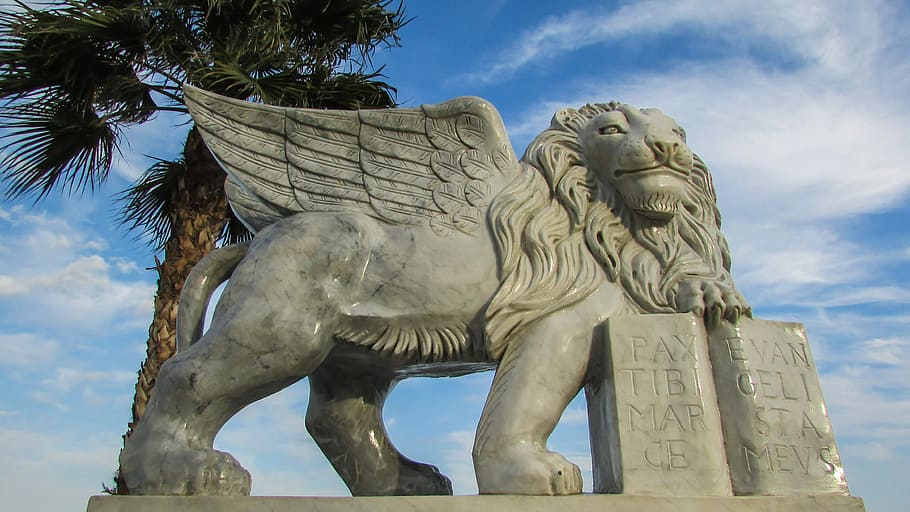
778,434
655,426
586,503
404,242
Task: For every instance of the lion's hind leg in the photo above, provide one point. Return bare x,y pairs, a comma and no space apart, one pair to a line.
245,356
345,418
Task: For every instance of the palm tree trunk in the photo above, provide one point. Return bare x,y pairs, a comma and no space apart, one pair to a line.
200,212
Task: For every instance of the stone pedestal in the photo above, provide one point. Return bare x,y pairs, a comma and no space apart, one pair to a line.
778,435
655,426
582,503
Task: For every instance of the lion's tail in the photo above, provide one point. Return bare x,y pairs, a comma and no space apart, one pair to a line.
205,277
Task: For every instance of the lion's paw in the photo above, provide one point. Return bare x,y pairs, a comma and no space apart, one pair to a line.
417,479
186,472
523,469
712,302
219,475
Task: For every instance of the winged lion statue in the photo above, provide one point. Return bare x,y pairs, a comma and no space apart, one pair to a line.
413,242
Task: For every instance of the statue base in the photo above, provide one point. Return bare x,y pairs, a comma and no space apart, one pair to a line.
578,503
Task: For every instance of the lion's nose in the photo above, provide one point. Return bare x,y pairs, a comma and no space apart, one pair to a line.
664,150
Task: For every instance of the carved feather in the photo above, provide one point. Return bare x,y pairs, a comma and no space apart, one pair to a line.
429,165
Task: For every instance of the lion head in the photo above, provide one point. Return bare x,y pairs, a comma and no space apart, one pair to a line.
608,192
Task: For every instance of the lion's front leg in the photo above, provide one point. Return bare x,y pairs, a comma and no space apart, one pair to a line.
537,378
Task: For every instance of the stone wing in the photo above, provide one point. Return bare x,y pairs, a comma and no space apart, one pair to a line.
432,164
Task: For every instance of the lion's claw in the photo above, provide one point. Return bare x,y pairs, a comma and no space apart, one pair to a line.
734,309
714,316
711,302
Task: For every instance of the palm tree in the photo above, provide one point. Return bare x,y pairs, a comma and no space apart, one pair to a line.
75,73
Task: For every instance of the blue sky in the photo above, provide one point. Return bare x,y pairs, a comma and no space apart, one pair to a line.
801,110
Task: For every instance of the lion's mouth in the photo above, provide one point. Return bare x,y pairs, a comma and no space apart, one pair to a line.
654,169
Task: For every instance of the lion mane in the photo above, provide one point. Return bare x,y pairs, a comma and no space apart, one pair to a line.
560,234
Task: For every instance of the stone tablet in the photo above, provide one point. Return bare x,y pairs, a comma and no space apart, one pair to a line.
655,427
777,431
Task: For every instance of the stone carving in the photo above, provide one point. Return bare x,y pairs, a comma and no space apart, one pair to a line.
655,426
735,410
778,435
410,242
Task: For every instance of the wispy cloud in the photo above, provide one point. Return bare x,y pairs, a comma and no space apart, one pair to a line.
64,292
26,350
141,144
459,465
58,274
30,458
803,28
575,415
887,351
858,394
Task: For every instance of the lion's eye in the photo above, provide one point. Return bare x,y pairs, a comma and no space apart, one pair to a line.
609,129
680,133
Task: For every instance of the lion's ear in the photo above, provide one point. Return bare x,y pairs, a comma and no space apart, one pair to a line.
566,119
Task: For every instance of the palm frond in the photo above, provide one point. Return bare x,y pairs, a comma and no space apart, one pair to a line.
75,72
147,204
354,91
74,50
235,231
68,84
55,145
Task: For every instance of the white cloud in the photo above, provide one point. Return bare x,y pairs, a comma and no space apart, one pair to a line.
813,152
125,266
156,139
66,379
575,415
810,29
61,276
12,286
888,351
27,350
82,293
458,464
870,405
837,335
52,399
69,387
31,460
128,169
